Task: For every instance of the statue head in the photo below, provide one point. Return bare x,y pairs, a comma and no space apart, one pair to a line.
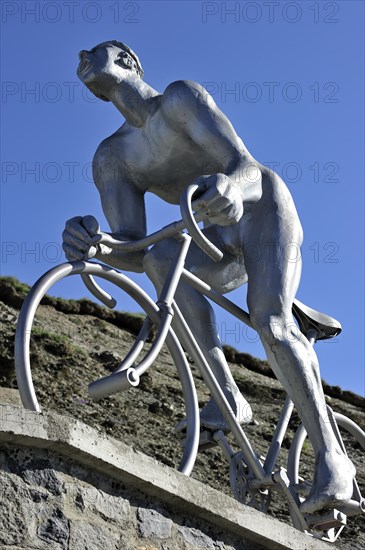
105,64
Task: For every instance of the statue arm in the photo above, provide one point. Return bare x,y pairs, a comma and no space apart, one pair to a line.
192,108
124,208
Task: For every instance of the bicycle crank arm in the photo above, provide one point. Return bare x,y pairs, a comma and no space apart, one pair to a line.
282,479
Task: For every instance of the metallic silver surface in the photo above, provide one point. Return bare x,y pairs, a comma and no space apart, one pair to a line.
179,143
22,341
199,238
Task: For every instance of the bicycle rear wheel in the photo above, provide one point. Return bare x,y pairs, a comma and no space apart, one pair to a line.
301,463
25,323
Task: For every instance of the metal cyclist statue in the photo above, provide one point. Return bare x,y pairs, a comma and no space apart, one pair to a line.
168,141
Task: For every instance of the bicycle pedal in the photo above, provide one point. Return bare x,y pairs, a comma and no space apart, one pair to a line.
327,520
206,440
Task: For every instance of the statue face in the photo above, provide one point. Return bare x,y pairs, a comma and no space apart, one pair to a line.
100,67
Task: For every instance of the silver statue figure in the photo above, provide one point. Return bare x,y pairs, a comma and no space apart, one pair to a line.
168,141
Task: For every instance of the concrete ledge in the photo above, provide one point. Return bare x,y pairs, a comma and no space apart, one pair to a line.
101,453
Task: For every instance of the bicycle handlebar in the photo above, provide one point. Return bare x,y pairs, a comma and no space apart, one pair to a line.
198,236
189,221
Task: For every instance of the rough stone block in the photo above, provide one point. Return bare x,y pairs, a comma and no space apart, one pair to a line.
108,506
13,523
152,524
43,477
86,536
196,538
55,528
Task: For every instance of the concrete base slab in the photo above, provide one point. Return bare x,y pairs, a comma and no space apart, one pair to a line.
96,451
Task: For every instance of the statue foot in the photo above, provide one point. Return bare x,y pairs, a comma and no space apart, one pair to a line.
333,482
213,419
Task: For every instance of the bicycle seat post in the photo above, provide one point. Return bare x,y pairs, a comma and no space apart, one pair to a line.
312,336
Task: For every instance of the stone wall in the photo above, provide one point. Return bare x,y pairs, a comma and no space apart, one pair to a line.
49,502
65,485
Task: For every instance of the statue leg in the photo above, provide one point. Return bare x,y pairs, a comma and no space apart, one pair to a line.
273,264
201,320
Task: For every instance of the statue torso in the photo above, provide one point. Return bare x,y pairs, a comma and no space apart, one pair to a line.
157,157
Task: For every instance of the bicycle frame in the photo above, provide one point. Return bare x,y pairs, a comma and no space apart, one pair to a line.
127,375
172,328
112,384
105,386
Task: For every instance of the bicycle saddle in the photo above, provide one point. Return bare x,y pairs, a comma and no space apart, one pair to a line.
308,318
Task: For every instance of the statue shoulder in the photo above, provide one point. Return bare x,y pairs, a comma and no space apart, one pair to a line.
109,149
107,159
185,97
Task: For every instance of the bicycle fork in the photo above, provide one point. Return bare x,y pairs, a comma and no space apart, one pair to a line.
128,374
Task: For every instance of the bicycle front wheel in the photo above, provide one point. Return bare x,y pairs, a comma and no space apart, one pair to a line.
25,323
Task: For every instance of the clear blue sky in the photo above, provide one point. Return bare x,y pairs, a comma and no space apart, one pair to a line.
289,75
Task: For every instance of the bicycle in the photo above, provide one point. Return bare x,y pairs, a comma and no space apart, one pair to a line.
253,478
